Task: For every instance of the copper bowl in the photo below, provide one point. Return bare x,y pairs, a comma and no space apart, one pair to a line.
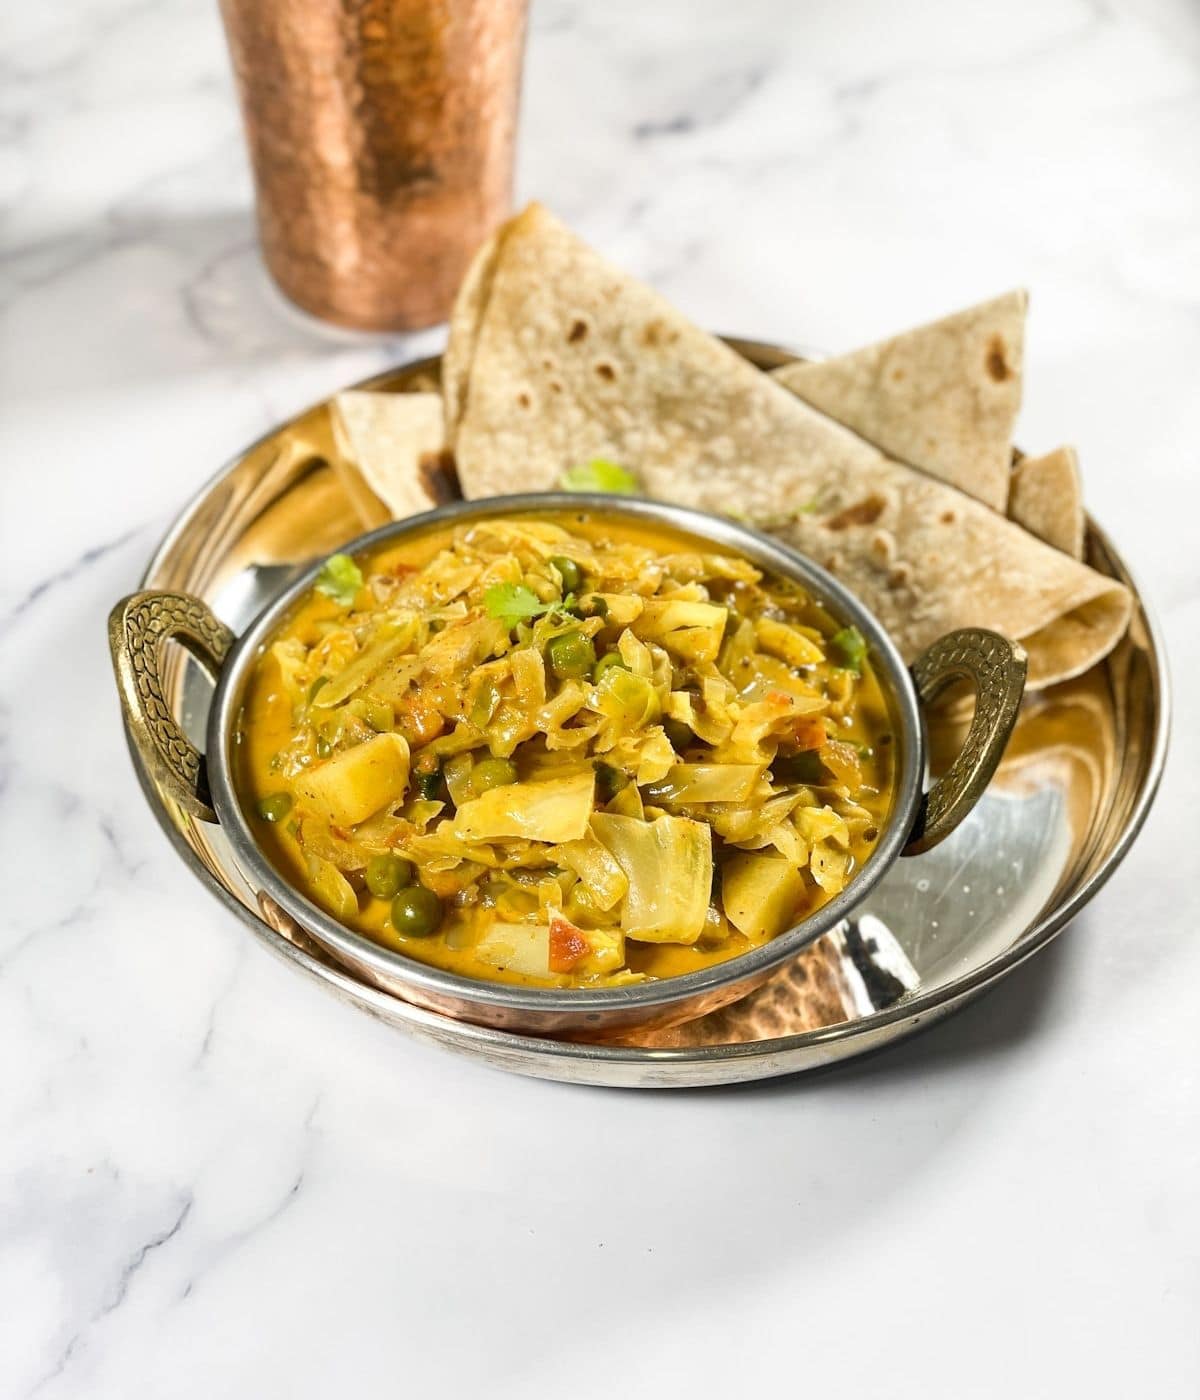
919,818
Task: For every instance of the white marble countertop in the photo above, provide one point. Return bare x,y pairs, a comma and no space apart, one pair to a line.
217,1180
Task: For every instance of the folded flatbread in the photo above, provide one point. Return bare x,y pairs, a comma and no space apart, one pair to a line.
388,450
1047,499
942,397
562,358
465,317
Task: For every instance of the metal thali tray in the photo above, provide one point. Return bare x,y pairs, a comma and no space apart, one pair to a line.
1077,780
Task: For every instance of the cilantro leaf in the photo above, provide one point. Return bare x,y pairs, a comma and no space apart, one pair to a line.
340,579
600,475
513,602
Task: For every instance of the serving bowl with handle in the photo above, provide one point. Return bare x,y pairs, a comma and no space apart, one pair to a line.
921,814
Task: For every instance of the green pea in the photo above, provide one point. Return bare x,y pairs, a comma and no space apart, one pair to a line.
609,661
324,747
274,807
571,654
493,773
569,571
417,912
314,689
851,648
388,875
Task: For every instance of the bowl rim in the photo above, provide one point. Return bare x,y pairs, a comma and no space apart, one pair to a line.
396,968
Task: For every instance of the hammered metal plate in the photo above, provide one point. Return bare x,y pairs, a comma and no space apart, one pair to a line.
1072,792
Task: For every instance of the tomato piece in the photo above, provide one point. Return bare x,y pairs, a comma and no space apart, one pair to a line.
809,732
568,945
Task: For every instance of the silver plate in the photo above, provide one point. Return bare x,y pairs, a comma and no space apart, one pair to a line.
1070,797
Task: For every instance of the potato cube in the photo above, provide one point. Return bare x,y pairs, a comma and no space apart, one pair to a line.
762,893
356,784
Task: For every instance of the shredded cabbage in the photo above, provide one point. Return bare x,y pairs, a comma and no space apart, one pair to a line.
710,782
668,863
556,810
566,737
597,869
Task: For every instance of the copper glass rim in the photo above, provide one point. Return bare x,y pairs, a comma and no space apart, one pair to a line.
915,822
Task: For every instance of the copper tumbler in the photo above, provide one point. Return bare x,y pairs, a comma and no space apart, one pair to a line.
381,137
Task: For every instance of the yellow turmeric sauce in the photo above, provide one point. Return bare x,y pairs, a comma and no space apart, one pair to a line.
563,750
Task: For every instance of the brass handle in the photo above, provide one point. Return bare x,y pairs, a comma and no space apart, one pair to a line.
996,667
138,628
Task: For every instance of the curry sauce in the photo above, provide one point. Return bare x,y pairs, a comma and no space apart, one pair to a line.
561,750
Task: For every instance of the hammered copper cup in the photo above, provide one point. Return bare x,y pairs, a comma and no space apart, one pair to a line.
381,139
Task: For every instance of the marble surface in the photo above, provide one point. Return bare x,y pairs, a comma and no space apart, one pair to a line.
215,1179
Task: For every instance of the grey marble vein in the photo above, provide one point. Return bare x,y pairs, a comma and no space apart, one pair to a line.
127,1272
70,573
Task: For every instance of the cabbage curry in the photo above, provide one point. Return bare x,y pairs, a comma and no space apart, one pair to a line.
564,750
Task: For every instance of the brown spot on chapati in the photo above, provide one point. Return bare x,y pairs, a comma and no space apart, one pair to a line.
948,517
439,476
652,333
898,374
883,546
606,371
899,575
864,512
555,387
997,364
524,400
578,332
